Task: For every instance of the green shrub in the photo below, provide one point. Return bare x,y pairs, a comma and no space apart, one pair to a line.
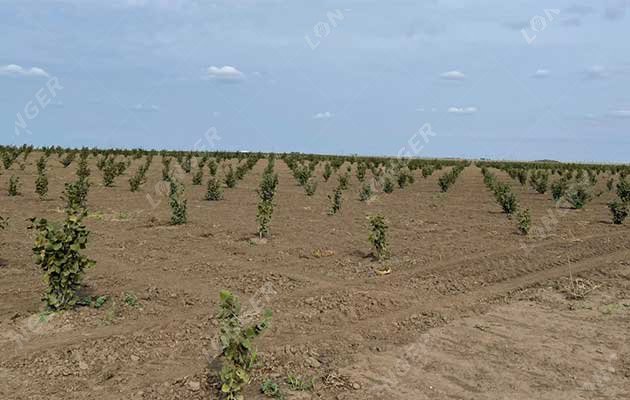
41,183
177,203
271,389
302,174
377,172
579,174
186,163
75,195
27,151
214,191
449,178
58,253
240,172
140,176
4,222
489,179
404,178
378,237
343,181
310,187
101,161
610,184
361,170
623,190
578,196
98,302
521,174
506,198
230,177
524,221
559,188
67,160
197,177
266,193
592,177
619,211
366,192
237,349
14,186
110,171
327,172
312,165
203,161
539,180
427,171
135,182
83,171
166,168
335,199
130,299
388,185
299,384
41,164
213,167
8,157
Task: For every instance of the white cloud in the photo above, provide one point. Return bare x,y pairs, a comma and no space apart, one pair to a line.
578,9
462,110
517,25
323,115
541,73
453,76
597,72
227,73
616,10
145,108
625,113
16,70
571,22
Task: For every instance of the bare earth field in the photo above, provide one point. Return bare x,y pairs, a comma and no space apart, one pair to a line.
471,310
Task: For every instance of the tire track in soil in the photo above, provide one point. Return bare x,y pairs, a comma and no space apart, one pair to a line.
453,306
321,286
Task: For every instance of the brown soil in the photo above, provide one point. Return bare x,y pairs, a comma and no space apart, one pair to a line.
471,309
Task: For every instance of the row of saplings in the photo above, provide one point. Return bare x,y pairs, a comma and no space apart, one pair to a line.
112,168
384,175
576,189
58,251
508,201
576,195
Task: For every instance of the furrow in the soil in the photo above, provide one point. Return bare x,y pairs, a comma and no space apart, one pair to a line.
454,305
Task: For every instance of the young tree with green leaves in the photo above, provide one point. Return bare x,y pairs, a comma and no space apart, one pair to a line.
57,251
378,237
266,194
214,192
177,203
237,350
41,183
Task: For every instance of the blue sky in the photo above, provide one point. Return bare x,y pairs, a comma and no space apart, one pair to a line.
499,79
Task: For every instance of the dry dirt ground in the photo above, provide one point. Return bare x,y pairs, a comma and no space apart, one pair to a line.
471,310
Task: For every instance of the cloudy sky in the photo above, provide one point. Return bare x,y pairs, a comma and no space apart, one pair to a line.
499,79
